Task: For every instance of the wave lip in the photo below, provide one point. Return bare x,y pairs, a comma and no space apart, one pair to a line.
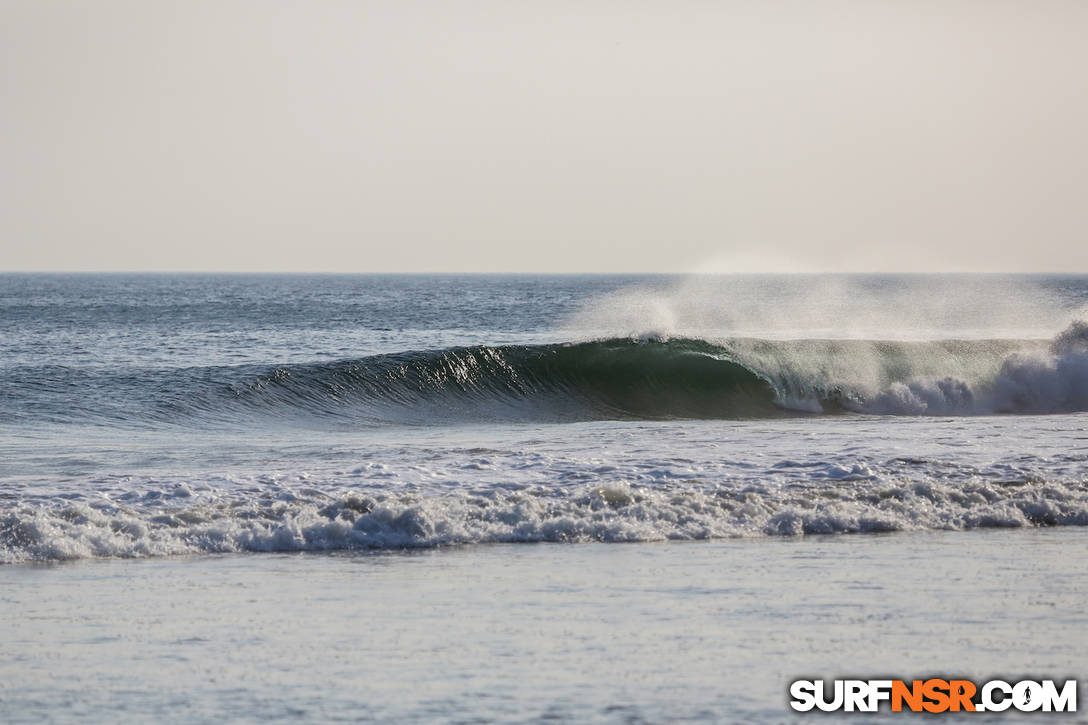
614,379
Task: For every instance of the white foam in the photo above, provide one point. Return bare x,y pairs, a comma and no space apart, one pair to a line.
1028,381
618,512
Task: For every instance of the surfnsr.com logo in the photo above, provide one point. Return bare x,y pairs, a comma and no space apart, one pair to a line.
933,695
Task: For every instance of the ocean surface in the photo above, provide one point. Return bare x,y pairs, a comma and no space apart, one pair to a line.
396,423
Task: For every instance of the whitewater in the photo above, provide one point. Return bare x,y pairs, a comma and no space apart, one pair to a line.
604,499
158,415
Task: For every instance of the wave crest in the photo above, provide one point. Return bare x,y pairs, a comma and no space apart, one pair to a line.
644,378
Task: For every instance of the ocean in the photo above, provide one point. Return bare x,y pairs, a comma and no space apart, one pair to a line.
492,498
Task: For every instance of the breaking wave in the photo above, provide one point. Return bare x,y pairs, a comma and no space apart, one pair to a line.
623,378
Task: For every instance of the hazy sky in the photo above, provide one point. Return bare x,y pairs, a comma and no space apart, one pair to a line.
470,135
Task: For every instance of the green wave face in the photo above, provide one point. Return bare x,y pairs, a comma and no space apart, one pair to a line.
610,379
680,378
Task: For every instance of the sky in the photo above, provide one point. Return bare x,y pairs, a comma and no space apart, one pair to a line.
558,136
